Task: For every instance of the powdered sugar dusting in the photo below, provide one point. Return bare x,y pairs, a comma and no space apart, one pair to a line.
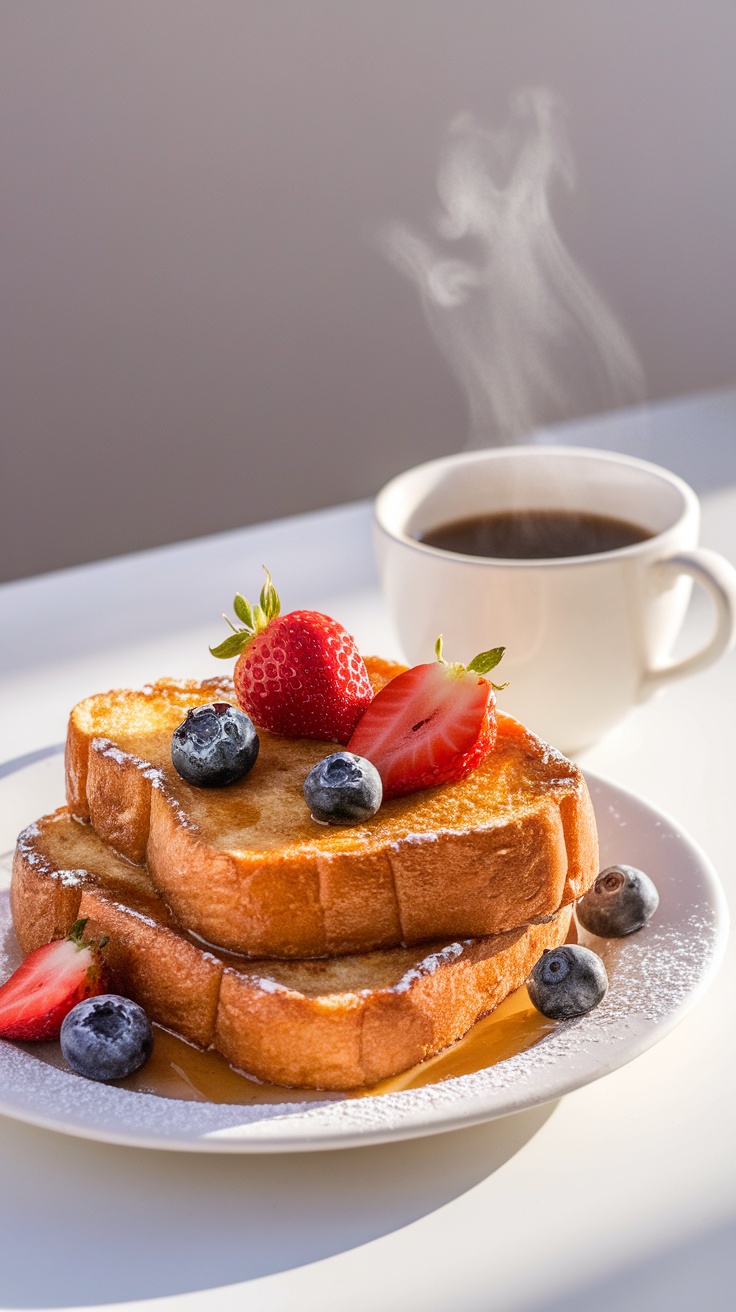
113,753
155,776
269,985
129,910
27,846
429,965
30,831
426,836
153,773
72,878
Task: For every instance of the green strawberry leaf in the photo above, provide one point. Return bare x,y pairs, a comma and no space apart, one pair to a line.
232,646
487,660
76,932
243,611
254,618
269,599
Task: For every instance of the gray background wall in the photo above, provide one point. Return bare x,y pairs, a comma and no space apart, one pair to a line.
197,332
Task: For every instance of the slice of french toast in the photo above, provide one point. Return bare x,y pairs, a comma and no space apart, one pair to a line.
248,869
342,1023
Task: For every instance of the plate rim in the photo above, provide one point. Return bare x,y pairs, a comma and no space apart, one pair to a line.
473,1107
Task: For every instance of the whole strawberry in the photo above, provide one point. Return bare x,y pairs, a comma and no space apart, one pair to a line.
49,983
299,675
431,725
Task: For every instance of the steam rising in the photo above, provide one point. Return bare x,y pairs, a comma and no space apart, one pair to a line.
529,337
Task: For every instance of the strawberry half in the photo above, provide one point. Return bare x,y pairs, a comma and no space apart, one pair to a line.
51,980
430,725
299,675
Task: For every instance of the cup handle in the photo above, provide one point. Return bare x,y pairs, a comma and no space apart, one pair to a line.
718,577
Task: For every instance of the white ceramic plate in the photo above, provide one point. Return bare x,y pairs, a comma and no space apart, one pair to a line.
656,976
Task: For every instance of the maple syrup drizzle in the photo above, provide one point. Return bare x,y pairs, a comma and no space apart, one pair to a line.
178,1070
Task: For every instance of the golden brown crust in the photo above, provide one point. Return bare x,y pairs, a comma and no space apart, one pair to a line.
348,1040
251,872
341,1023
44,902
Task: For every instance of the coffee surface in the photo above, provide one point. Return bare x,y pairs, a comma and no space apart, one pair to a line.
535,534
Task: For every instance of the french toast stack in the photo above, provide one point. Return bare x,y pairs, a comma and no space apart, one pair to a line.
308,955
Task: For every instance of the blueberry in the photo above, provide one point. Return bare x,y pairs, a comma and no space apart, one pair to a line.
343,789
621,900
106,1038
216,745
567,981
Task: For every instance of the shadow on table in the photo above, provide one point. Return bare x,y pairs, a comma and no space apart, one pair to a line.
84,1223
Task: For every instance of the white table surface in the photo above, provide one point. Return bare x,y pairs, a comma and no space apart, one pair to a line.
622,1195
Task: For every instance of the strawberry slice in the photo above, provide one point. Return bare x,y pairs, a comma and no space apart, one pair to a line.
430,725
51,980
299,675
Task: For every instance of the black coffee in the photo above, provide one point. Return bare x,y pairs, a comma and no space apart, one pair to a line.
535,534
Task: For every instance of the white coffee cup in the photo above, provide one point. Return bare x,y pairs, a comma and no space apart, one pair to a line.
586,637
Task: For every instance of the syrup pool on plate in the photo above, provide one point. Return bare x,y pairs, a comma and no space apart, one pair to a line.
177,1070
